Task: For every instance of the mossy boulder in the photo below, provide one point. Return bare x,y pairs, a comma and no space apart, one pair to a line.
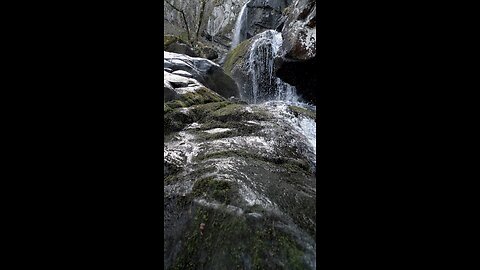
178,45
175,112
251,241
240,171
206,51
297,111
236,56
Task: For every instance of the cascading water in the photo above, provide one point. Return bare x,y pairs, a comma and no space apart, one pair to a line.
263,85
238,34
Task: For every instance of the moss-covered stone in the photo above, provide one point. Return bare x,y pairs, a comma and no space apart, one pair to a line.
289,164
301,111
175,119
235,112
203,111
234,241
235,55
170,39
210,187
202,95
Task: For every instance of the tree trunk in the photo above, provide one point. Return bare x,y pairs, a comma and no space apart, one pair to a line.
202,13
184,19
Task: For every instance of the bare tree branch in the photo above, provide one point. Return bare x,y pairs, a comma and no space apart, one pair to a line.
183,16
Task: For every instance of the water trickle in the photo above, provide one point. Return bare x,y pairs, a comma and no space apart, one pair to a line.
239,33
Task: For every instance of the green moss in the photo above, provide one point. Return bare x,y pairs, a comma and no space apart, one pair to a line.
213,188
236,113
183,37
202,102
234,55
175,119
228,110
175,104
232,240
203,111
301,111
169,39
202,95
166,108
221,243
291,251
169,179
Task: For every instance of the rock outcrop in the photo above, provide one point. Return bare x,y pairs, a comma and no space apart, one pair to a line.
239,183
195,71
264,15
217,27
251,64
296,63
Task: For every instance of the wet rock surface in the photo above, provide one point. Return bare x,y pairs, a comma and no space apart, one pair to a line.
247,173
252,65
200,71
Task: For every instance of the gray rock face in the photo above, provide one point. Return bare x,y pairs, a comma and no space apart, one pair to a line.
202,71
217,27
264,15
296,63
252,65
258,16
181,48
209,53
299,31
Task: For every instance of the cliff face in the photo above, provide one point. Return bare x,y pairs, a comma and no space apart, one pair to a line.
216,29
296,62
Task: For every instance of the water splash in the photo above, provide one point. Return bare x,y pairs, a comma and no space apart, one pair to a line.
305,126
239,33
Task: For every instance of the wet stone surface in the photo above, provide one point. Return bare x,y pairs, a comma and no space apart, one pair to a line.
246,172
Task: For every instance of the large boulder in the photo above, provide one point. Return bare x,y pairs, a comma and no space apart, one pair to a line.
296,62
251,64
175,44
204,71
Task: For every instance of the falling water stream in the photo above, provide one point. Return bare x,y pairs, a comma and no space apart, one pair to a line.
238,35
263,87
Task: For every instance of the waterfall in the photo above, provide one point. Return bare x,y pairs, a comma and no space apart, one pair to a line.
238,35
263,85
